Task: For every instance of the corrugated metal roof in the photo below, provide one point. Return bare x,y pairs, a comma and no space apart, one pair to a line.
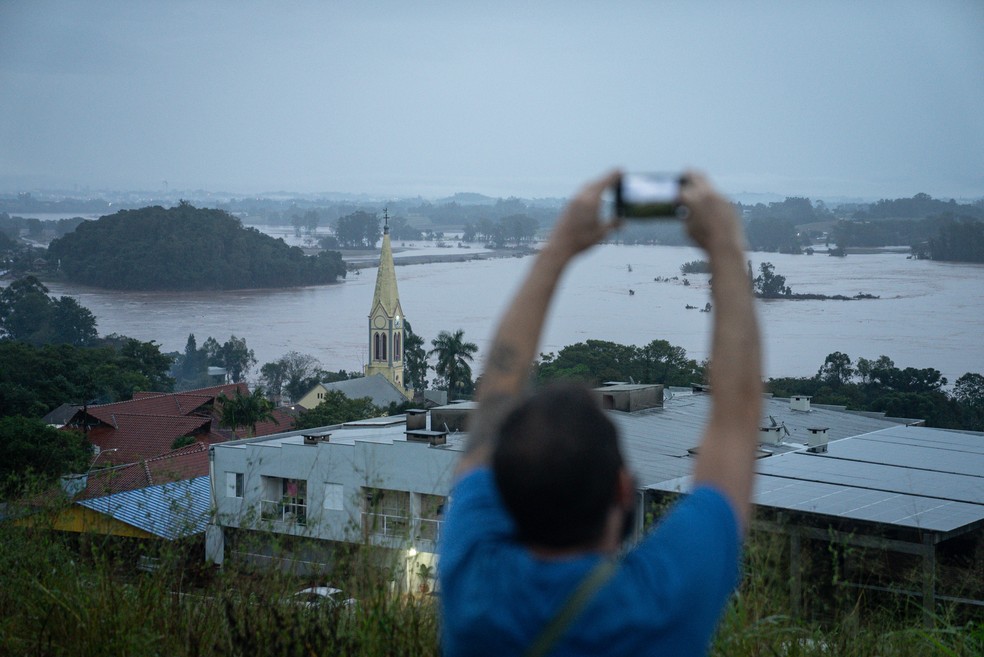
909,477
171,511
656,440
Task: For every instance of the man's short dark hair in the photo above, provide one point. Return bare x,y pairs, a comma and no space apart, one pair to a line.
556,464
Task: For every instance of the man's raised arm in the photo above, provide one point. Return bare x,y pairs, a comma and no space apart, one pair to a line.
726,459
507,367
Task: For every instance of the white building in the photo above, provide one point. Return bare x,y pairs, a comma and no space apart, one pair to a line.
374,482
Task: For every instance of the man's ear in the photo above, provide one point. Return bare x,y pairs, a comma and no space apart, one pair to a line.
625,489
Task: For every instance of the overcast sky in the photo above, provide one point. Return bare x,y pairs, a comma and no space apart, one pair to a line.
872,99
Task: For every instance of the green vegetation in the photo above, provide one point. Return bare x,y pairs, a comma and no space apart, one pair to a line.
770,285
29,315
33,453
518,228
190,368
696,267
184,248
596,361
36,380
414,359
83,595
336,408
453,370
245,410
878,385
359,230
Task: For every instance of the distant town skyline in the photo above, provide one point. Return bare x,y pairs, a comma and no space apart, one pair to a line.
827,100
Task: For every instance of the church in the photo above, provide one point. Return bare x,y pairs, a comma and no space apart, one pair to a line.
383,381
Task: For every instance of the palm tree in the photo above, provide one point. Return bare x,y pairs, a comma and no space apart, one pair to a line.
245,410
453,356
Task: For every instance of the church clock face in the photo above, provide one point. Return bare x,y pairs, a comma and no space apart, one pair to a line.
379,321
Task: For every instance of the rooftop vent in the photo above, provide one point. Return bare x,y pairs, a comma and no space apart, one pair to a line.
817,441
771,435
630,397
416,419
315,438
453,417
432,438
799,403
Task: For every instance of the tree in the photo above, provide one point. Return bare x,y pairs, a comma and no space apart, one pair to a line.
233,355
245,410
453,358
414,359
336,408
969,390
359,230
191,368
33,453
292,374
28,314
661,362
836,369
770,285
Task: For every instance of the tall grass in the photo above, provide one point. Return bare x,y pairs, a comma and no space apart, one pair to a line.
66,594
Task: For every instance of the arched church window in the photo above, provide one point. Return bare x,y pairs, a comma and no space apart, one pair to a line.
382,341
377,347
396,347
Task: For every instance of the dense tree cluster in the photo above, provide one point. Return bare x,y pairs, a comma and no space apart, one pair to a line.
185,248
336,408
516,228
878,385
596,361
919,206
29,314
959,241
35,380
190,369
359,230
33,455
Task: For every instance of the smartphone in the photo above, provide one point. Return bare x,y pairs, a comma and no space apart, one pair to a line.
648,196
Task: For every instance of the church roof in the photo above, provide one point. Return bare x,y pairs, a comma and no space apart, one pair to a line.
377,387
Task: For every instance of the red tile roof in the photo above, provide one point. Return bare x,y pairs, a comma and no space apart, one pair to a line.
185,463
148,425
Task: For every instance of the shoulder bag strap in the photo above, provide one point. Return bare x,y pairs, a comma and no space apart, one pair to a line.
594,580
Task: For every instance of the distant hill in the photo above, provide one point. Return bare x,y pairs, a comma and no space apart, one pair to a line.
185,248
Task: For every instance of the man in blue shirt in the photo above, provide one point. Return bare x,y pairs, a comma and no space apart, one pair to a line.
543,497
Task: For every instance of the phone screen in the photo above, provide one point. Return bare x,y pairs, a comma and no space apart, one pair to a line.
641,196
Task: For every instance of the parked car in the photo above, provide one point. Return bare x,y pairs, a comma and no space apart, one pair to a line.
315,596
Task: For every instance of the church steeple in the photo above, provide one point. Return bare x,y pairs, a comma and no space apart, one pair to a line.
386,318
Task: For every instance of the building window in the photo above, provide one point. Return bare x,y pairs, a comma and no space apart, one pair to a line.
235,484
284,500
396,347
431,516
334,497
386,512
380,346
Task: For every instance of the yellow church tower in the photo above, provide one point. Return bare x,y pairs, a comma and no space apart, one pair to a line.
386,319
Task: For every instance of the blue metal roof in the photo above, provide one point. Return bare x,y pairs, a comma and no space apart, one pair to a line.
171,511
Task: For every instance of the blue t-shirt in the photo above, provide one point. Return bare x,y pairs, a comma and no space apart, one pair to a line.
664,599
